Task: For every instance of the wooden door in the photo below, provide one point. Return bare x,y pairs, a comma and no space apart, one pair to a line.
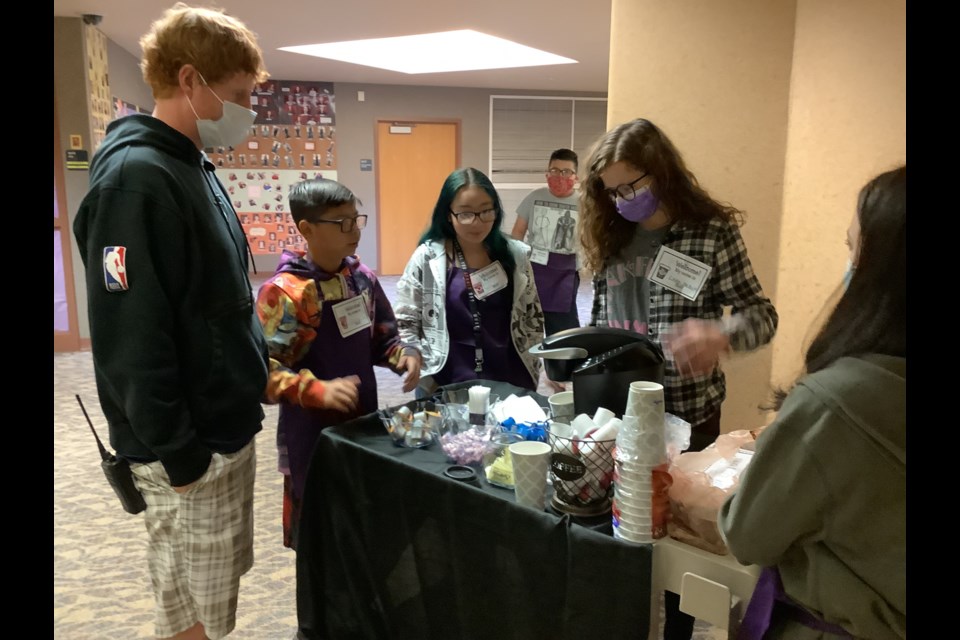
413,160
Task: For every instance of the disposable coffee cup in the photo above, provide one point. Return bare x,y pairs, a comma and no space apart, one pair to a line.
561,406
531,461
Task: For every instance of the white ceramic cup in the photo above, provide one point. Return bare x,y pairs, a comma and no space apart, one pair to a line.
530,463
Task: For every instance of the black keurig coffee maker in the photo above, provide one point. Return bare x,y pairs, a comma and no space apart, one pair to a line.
601,362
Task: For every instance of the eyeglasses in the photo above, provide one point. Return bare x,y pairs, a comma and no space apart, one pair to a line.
566,173
625,191
347,224
468,217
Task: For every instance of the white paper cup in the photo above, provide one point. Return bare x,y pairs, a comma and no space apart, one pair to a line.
530,463
628,477
582,425
638,529
603,416
561,406
561,429
645,401
621,534
637,506
631,514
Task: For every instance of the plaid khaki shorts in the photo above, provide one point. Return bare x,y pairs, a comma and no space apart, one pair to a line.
201,542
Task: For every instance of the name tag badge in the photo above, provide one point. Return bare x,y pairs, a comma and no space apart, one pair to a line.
352,316
679,273
489,280
540,256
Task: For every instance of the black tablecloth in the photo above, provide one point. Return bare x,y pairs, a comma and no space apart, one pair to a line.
390,548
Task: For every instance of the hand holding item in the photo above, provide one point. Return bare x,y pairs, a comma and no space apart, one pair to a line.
696,345
341,394
411,364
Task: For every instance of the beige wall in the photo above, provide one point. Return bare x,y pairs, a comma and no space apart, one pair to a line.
715,77
847,124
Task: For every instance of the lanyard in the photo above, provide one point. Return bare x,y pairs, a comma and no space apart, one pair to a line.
474,311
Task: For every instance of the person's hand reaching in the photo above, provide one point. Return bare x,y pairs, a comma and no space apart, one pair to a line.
341,394
696,346
411,364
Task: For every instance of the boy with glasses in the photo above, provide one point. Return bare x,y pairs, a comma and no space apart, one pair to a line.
548,219
328,323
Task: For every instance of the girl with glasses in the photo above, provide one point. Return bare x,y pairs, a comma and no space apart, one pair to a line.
667,259
467,299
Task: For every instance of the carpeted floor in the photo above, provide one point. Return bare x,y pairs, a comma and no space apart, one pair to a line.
101,589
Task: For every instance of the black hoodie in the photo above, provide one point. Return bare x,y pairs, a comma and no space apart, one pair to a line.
179,355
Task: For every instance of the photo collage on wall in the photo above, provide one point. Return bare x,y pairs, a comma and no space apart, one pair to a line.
99,105
292,139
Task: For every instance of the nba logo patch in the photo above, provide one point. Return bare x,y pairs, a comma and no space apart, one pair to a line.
115,269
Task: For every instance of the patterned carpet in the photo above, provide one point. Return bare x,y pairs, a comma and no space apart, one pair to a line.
101,589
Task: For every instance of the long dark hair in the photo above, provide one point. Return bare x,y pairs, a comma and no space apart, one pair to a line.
441,228
639,143
871,317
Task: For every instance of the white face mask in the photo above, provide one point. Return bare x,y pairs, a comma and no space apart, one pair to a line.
232,127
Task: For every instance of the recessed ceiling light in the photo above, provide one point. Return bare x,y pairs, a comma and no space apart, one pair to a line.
463,50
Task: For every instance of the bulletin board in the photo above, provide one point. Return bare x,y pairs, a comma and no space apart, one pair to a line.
99,105
292,139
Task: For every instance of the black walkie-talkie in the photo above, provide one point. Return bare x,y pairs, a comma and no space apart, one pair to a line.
118,473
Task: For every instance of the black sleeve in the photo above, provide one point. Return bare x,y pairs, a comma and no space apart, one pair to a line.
133,331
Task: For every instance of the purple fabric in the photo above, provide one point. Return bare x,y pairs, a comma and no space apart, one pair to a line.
500,359
768,595
556,282
330,356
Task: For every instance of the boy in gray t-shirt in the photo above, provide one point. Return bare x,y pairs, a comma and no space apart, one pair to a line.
547,221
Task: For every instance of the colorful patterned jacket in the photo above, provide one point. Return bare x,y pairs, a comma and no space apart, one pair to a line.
422,299
289,307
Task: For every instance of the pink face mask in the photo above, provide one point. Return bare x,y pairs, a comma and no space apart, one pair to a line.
560,186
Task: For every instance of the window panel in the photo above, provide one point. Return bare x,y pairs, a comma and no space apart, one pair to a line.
525,131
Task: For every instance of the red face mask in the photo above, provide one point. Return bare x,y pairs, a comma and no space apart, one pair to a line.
561,187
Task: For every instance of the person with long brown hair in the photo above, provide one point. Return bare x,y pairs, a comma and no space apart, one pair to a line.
668,259
645,223
822,505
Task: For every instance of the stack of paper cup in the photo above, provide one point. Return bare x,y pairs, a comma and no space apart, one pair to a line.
641,448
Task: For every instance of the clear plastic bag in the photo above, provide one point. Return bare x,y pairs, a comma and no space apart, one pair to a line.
702,481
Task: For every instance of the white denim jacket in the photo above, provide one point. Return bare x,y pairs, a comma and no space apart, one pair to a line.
420,308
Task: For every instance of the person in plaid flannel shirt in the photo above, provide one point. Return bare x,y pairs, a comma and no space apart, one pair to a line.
641,207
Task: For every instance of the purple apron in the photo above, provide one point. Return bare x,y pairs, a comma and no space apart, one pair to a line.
330,356
769,596
500,359
556,282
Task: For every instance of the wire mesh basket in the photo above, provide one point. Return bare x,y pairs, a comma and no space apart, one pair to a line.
581,471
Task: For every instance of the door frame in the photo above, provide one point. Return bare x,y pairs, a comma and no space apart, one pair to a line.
64,341
457,122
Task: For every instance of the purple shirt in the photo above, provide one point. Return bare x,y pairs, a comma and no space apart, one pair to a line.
501,361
